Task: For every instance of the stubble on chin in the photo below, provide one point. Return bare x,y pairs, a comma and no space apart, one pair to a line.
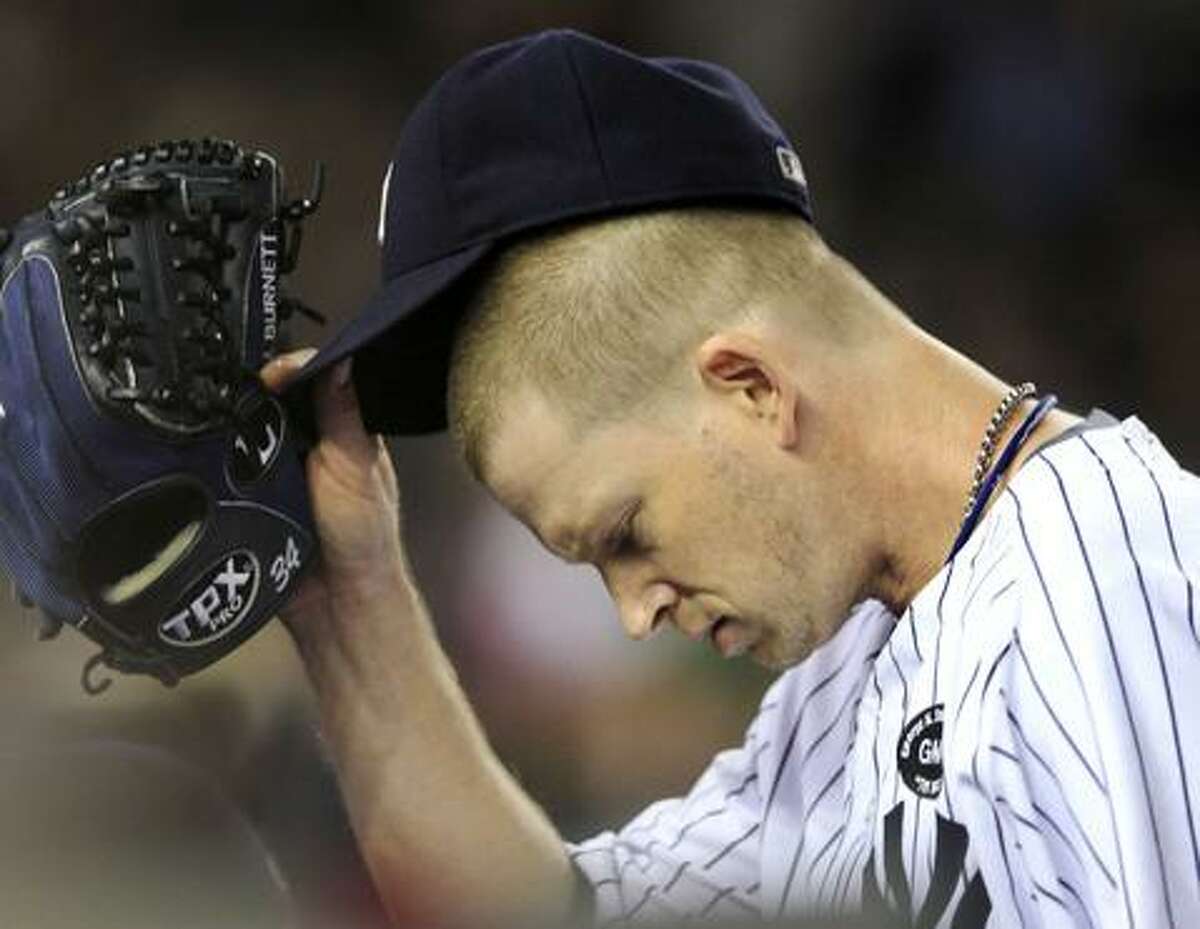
783,648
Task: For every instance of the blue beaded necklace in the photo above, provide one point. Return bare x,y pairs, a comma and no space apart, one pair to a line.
980,497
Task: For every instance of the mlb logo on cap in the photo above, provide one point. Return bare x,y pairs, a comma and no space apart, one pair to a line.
790,167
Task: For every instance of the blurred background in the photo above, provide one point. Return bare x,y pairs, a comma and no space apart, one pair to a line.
1023,178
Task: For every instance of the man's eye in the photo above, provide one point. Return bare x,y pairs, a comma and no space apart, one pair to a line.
627,539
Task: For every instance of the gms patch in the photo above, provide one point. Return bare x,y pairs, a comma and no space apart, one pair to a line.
919,753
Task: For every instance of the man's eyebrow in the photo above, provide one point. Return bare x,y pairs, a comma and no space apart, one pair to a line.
550,540
561,541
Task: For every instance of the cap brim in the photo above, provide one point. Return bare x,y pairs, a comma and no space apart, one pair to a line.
401,348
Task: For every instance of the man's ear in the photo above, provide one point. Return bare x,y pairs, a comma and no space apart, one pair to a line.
745,370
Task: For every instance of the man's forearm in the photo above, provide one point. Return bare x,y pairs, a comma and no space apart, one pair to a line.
447,833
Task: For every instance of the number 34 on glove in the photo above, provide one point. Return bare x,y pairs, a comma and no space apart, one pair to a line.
152,492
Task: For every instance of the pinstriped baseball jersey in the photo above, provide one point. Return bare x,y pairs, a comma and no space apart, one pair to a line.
1020,749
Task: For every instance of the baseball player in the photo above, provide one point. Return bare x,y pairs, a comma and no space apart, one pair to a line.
601,271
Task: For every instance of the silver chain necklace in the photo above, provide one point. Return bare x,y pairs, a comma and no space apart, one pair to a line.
987,448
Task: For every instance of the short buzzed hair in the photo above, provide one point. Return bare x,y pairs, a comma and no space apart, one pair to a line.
598,316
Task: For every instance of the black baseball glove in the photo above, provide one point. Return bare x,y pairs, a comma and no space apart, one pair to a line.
152,493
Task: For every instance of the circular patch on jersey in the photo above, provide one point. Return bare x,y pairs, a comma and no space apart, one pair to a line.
256,441
919,753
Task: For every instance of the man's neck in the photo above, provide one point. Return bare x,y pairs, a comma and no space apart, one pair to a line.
935,409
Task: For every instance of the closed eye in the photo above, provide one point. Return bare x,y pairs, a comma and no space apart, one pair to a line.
625,540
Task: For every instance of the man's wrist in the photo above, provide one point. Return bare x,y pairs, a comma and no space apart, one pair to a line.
389,584
364,610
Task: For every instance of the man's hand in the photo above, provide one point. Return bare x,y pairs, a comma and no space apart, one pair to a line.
355,499
429,801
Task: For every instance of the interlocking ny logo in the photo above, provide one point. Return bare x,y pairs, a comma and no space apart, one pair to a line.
949,859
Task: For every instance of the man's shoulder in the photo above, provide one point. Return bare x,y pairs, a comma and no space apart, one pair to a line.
1109,494
1104,521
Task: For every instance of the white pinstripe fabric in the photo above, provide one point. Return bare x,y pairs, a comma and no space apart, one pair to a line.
1062,641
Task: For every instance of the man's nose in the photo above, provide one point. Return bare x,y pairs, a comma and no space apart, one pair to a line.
643,610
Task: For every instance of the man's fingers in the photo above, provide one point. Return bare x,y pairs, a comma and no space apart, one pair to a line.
277,373
338,418
335,403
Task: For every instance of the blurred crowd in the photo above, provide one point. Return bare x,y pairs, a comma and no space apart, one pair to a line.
1023,178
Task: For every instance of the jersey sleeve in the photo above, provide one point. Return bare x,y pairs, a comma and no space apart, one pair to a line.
1087,769
696,856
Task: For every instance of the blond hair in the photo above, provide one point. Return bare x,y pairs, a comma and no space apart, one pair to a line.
600,316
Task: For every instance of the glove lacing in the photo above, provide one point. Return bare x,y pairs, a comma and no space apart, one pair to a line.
206,352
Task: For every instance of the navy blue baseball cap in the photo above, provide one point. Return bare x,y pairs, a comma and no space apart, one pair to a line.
517,137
